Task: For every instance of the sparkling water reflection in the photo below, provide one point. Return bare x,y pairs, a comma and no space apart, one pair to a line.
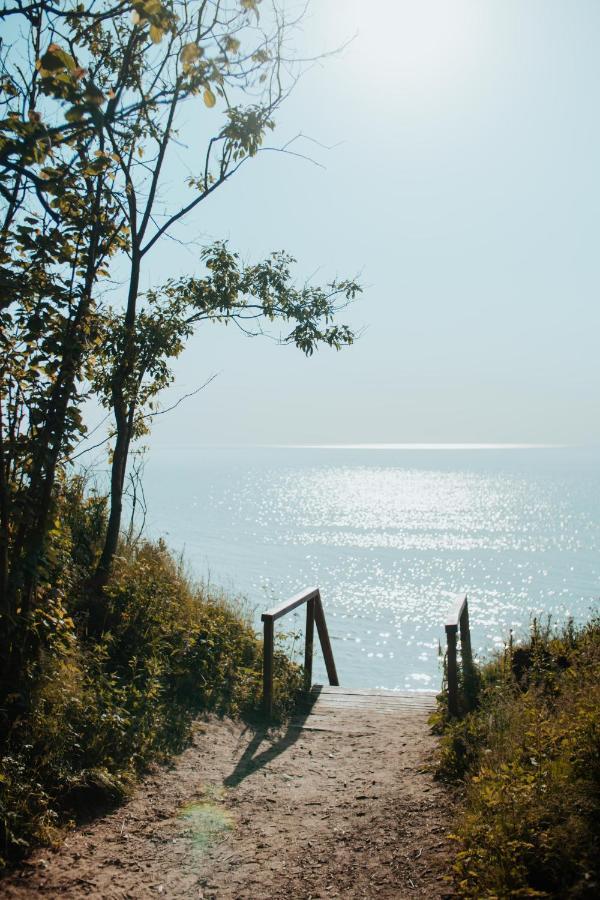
390,537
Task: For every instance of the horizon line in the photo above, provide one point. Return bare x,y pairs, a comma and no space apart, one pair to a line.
417,446
374,446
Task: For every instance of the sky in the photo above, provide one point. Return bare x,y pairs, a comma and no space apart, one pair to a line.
461,186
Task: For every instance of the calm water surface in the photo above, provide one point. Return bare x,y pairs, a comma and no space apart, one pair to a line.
389,536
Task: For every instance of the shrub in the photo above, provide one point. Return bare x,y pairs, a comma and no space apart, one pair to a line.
102,705
529,762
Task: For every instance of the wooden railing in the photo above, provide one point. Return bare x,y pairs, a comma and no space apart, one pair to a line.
458,622
314,615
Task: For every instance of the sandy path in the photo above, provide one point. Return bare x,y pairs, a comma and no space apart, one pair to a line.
344,808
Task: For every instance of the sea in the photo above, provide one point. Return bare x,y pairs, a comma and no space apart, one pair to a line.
391,534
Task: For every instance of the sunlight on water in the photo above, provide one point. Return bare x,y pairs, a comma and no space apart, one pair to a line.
391,542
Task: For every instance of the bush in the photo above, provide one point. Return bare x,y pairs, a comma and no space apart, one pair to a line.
529,762
101,706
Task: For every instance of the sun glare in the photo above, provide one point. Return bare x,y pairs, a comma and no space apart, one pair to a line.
422,45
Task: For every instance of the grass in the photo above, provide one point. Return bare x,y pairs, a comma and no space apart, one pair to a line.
527,761
102,705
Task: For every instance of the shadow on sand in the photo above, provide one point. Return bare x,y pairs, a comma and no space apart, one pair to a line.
251,760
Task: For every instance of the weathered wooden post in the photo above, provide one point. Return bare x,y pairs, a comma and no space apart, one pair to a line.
268,649
465,636
325,642
452,668
466,657
309,643
459,618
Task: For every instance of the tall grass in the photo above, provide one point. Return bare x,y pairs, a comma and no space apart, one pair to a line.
528,764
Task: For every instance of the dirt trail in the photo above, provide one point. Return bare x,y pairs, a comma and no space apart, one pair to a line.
337,805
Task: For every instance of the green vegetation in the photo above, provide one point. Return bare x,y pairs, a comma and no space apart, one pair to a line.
102,704
528,761
118,120
107,650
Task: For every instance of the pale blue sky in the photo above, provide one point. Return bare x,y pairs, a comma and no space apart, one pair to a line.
463,187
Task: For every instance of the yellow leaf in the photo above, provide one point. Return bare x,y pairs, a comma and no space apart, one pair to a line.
152,7
189,54
75,114
136,18
209,98
156,34
232,45
251,5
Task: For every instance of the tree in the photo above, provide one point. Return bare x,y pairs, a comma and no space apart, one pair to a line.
89,127
230,292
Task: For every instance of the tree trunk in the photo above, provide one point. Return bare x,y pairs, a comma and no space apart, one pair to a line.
124,410
117,482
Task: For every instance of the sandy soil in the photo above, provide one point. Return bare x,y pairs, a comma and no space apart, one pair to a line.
341,806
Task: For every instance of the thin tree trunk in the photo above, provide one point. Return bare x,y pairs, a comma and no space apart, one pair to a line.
117,481
124,415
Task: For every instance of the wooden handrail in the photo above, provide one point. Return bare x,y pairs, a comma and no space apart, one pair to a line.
288,605
314,616
456,611
458,620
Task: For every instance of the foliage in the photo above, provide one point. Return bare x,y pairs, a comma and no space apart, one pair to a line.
93,102
103,707
528,760
106,651
230,291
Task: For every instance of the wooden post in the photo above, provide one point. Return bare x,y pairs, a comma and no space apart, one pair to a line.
466,655
314,615
308,643
325,643
452,671
268,668
465,639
